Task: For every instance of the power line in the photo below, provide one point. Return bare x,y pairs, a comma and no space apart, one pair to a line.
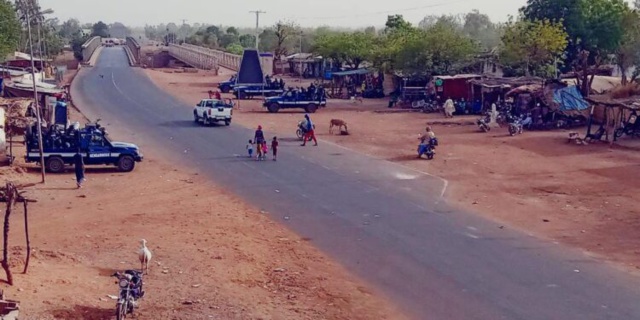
383,12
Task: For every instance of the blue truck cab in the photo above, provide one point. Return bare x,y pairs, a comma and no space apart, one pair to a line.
309,100
60,145
227,86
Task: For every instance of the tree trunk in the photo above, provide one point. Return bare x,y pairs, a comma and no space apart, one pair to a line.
11,198
26,232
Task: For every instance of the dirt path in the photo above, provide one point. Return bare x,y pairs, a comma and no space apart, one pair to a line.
214,256
584,196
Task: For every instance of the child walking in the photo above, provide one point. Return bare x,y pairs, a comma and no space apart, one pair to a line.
274,148
250,149
265,150
79,168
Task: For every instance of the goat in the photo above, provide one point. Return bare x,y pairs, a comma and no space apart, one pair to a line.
337,123
145,256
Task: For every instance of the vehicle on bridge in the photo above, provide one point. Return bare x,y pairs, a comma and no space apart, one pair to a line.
211,111
309,100
60,145
227,86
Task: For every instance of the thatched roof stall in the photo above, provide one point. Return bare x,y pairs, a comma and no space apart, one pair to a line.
608,114
490,90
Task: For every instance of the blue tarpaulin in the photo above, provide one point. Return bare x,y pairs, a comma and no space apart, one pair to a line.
570,99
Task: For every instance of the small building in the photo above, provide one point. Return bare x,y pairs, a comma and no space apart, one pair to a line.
454,87
491,90
306,64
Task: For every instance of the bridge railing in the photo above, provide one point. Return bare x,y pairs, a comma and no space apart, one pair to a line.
89,47
134,47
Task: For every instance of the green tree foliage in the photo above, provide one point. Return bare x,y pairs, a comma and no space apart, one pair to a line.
9,29
100,29
207,37
594,28
438,50
235,48
69,29
351,48
76,45
532,47
397,22
628,53
479,27
247,40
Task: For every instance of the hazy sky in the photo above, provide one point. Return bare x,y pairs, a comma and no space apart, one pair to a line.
347,13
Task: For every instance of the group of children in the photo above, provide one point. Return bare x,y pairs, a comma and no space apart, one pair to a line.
262,149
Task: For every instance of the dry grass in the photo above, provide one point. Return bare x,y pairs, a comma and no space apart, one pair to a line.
626,91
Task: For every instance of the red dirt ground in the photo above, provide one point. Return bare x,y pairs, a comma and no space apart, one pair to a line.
588,194
214,256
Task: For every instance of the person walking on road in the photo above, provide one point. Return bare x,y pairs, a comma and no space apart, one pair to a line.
79,168
309,134
274,148
259,140
250,148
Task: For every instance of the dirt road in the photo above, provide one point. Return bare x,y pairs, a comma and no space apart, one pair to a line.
214,256
584,196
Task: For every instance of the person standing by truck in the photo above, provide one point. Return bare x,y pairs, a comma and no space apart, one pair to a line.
79,168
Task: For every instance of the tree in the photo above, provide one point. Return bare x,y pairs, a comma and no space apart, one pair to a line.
397,22
532,46
479,27
229,38
247,40
284,32
76,45
352,48
119,30
371,30
235,48
233,30
100,29
594,30
9,29
628,53
70,28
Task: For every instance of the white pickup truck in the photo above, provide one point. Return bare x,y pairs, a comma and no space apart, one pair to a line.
211,111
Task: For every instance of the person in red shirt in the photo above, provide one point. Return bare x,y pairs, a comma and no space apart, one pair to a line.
217,95
274,148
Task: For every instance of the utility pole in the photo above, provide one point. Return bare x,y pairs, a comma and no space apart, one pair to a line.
257,12
35,99
184,35
301,35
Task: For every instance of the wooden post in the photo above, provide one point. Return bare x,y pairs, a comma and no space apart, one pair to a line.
25,203
10,195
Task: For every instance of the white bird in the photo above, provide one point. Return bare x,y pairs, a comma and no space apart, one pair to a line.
145,256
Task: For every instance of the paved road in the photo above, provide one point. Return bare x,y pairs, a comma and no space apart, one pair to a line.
381,220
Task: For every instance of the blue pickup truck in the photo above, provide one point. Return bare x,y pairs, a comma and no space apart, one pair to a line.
248,92
227,86
60,145
310,101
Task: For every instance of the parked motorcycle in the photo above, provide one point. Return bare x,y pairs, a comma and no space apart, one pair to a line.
631,127
427,148
130,283
483,123
516,125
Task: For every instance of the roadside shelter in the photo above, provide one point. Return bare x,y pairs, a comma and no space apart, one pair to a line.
454,87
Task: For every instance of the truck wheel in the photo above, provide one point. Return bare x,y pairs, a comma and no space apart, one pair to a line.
206,121
195,117
227,122
55,164
126,164
225,89
242,95
311,108
273,108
